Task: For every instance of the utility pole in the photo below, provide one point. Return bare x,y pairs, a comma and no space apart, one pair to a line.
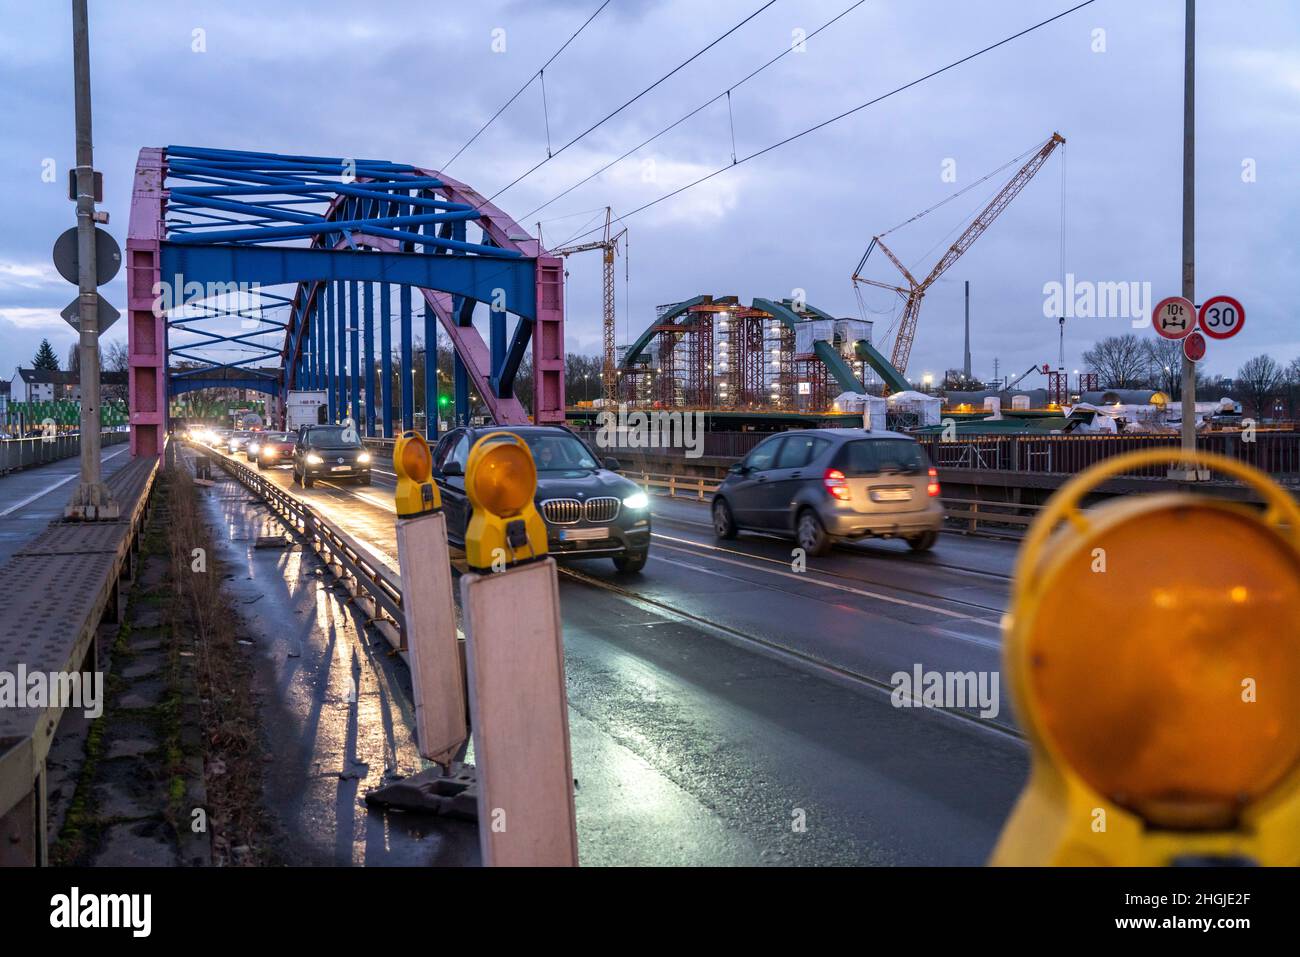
92,499
966,363
1185,473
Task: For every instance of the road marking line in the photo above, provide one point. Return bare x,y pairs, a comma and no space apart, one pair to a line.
50,488
844,588
973,639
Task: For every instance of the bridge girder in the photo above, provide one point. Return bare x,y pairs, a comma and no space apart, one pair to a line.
204,218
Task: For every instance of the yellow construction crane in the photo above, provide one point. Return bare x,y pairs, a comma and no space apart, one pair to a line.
609,244
914,292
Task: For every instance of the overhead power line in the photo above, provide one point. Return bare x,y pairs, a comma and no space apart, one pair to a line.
707,103
527,84
609,116
849,112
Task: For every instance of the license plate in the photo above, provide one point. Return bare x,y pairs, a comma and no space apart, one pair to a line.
583,534
341,468
891,494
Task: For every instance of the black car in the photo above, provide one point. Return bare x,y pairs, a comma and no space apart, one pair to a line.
590,510
329,452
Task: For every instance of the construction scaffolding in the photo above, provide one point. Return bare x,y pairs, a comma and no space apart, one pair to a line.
717,354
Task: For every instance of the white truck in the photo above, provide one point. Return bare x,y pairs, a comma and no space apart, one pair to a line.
305,407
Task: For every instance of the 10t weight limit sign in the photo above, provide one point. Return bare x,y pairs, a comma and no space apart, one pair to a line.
1174,317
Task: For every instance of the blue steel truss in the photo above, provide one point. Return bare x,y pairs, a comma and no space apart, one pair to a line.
343,231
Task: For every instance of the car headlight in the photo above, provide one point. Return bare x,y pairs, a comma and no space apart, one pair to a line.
363,458
269,452
637,500
252,448
314,459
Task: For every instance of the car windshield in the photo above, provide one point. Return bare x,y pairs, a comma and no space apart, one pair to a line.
277,437
872,456
556,452
332,437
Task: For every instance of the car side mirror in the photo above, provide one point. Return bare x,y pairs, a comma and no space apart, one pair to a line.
612,464
452,468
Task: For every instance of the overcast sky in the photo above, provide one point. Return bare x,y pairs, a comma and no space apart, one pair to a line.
411,82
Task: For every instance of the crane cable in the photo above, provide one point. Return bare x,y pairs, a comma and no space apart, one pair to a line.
861,106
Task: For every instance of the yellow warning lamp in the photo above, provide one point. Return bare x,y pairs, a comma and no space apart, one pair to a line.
413,462
1153,653
504,527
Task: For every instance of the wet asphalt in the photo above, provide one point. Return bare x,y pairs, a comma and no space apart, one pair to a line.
724,708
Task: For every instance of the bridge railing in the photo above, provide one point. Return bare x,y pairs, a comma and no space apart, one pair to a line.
40,449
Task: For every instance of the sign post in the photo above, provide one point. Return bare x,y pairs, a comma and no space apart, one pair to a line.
92,500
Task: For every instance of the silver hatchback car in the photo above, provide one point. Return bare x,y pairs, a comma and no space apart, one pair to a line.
824,484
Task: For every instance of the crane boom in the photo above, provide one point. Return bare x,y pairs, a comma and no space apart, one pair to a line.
915,291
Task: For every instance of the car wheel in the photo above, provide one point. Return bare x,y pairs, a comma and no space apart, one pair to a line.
260,466
811,534
364,480
724,525
631,563
307,480
296,480
923,542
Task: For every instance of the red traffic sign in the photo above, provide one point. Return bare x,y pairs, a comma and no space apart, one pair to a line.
1222,317
1174,317
1194,346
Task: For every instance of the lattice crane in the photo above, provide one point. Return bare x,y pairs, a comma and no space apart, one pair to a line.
609,244
915,291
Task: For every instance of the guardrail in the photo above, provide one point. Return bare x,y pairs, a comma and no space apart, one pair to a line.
1277,453
376,590
40,449
971,512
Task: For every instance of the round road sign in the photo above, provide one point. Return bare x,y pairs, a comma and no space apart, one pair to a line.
108,256
1222,317
1174,317
1194,346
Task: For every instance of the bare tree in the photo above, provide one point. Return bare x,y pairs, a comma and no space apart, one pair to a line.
1122,362
1292,384
116,358
1165,365
1259,381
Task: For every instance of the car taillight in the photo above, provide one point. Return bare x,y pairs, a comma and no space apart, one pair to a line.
932,487
835,483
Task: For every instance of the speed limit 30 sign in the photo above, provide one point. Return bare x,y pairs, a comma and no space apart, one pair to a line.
1174,317
1221,317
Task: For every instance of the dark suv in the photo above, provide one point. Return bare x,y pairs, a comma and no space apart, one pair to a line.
329,452
824,484
590,510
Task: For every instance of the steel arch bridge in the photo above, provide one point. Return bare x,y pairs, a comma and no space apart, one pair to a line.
210,229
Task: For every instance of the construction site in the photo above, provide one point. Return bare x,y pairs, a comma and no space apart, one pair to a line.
716,353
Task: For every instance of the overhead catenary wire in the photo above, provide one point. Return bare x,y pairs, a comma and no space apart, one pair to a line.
707,103
526,85
856,109
609,116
